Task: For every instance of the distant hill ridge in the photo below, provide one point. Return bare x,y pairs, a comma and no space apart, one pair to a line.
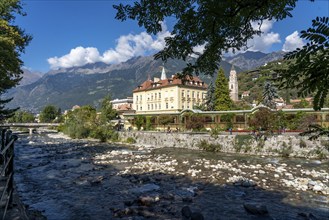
88,84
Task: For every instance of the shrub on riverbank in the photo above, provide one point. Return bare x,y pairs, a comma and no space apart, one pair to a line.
84,122
204,145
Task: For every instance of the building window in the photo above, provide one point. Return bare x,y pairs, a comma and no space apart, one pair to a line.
155,96
198,94
148,107
159,105
167,106
140,97
155,106
159,95
137,107
192,94
188,93
231,86
183,93
141,108
182,106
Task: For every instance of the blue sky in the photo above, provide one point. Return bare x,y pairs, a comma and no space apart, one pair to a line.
70,33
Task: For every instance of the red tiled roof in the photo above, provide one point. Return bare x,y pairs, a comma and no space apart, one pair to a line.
188,81
124,107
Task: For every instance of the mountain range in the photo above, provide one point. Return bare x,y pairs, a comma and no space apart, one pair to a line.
89,84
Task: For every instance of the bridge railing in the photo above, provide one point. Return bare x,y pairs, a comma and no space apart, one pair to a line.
6,169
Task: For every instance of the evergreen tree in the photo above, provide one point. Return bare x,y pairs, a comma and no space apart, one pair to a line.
210,99
107,111
269,94
49,114
222,100
13,41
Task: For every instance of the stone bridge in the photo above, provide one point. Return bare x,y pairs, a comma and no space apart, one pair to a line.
30,126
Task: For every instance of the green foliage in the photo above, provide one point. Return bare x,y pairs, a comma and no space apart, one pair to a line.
49,114
83,123
107,111
285,150
315,131
139,121
243,142
195,122
218,25
302,144
216,131
165,120
104,133
131,140
210,99
204,145
263,118
302,104
13,41
148,123
80,122
222,100
22,117
300,121
308,66
228,119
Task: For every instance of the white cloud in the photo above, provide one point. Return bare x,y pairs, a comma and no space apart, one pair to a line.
77,57
292,42
127,46
266,39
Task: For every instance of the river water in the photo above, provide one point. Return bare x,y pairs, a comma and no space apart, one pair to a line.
75,179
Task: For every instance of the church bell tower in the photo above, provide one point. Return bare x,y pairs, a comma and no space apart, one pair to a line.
233,85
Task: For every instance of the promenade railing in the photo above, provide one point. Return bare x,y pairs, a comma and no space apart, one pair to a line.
6,170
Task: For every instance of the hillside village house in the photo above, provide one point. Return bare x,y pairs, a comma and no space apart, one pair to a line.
168,95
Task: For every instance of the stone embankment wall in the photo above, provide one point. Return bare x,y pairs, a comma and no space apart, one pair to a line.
277,145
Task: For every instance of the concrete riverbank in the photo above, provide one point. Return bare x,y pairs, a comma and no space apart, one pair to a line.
286,145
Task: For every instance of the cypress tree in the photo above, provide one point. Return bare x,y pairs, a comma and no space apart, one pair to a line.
222,99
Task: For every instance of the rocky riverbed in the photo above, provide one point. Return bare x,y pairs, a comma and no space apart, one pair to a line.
70,179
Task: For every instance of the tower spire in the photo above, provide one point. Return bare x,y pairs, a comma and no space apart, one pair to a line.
163,74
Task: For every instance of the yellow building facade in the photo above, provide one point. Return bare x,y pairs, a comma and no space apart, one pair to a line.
168,95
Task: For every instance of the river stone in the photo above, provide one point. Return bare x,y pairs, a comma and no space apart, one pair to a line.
145,188
197,216
317,188
186,212
146,200
255,209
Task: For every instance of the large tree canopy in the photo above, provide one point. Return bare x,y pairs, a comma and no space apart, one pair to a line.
308,68
218,25
13,41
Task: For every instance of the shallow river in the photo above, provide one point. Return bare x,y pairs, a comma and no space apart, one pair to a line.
70,179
